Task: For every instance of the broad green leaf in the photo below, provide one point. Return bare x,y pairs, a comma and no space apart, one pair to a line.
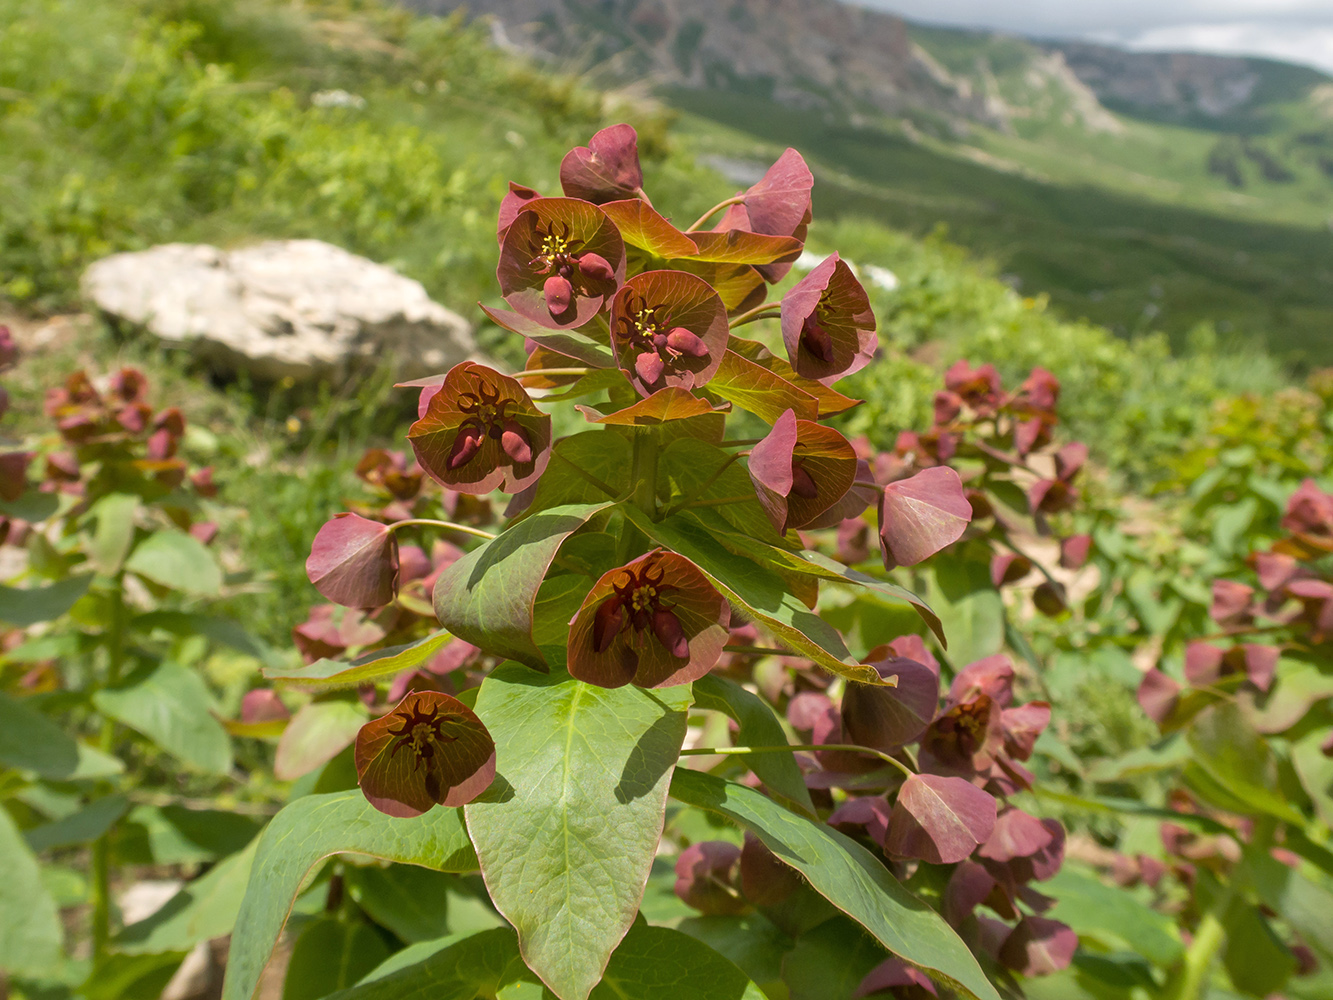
34,506
177,835
970,608
114,531
170,704
1237,758
751,941
1304,899
580,466
654,962
570,343
331,955
411,901
31,741
759,727
486,597
1255,958
178,561
382,664
1315,769
1112,917
759,591
461,970
317,733
568,836
30,930
847,875
691,470
41,604
313,828
203,909
81,827
641,226
829,962
130,977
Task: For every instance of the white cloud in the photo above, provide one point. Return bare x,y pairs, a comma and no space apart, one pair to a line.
1310,46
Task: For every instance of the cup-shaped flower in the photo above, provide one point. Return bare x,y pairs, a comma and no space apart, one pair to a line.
827,323
921,515
778,204
480,431
939,819
800,470
607,169
432,749
708,877
888,718
668,328
560,261
354,562
655,622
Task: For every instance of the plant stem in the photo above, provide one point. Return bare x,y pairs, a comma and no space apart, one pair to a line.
734,751
100,875
758,312
692,501
441,524
758,651
644,474
739,442
736,200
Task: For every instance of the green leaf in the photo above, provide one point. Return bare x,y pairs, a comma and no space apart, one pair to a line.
34,506
486,597
692,470
759,591
329,675
847,875
751,941
114,514
1112,917
81,827
317,733
130,977
1237,758
1257,961
968,605
30,930
170,704
462,970
178,561
568,836
41,604
203,909
567,342
31,741
1315,769
223,630
578,460
411,901
656,962
331,955
313,828
829,962
177,835
762,392
759,727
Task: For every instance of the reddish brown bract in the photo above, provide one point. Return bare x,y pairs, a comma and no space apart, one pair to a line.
827,324
481,431
800,470
607,169
432,749
655,622
560,261
668,328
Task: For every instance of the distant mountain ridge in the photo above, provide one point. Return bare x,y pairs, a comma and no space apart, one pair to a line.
858,63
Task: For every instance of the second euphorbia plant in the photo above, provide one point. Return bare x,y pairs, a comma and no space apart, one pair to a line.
642,558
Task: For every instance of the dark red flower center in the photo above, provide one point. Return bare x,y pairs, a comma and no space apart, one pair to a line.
488,417
637,607
658,347
802,483
817,340
422,733
568,266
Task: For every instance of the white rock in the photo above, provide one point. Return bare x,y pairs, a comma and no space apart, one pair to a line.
299,309
881,277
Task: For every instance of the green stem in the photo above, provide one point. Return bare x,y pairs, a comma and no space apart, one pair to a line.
736,200
100,874
757,313
644,475
758,651
734,751
1190,982
441,524
552,371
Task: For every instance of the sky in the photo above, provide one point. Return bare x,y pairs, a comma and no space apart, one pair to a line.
1295,30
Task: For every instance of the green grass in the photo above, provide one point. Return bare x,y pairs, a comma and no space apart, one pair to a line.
1132,264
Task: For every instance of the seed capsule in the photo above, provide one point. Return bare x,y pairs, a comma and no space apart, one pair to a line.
466,445
595,267
607,623
682,341
514,441
559,293
817,340
802,485
666,626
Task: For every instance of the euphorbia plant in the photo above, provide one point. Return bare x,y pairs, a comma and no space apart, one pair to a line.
642,560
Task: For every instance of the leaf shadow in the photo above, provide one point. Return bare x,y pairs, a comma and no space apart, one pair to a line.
499,790
653,755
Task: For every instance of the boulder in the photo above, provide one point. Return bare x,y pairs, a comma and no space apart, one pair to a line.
299,309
